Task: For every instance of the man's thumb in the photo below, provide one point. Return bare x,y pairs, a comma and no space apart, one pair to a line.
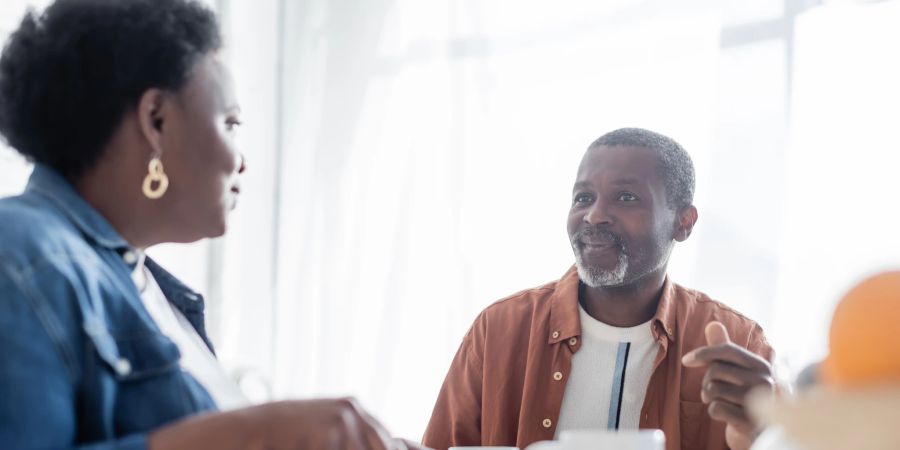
716,334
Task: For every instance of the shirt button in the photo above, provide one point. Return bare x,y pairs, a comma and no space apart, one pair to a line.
123,367
573,341
129,257
557,376
555,334
547,423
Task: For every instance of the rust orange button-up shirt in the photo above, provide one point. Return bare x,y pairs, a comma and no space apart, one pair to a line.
504,385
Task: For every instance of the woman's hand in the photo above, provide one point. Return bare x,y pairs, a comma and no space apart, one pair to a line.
338,424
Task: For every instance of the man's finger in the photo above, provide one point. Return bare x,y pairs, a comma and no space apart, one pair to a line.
717,390
731,414
727,353
716,334
737,375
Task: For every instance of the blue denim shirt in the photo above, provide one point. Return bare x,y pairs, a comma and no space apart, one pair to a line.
83,364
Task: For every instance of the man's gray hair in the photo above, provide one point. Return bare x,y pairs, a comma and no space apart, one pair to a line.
675,163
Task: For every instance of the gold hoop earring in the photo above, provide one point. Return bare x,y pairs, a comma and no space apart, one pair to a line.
155,175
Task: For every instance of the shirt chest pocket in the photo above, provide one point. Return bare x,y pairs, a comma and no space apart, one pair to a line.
145,381
698,430
132,358
694,425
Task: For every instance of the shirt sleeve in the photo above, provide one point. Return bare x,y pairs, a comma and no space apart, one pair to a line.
758,344
456,420
37,380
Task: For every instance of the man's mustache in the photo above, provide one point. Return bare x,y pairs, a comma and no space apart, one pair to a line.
600,233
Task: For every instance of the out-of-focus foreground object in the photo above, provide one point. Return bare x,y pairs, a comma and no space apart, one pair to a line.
863,345
856,404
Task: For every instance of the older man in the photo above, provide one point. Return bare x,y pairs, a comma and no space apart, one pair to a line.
614,343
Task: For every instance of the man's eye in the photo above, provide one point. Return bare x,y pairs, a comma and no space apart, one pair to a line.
627,197
583,198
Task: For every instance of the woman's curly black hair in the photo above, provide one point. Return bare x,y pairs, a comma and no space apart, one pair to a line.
68,75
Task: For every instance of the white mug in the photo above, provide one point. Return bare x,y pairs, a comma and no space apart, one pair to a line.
605,440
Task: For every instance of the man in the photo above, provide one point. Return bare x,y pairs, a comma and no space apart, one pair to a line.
613,344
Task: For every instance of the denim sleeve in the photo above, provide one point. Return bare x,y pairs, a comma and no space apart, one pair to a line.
38,376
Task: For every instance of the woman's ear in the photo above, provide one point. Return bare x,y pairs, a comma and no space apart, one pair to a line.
151,110
684,225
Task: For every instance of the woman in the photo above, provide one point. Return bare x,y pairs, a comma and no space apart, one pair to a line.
127,113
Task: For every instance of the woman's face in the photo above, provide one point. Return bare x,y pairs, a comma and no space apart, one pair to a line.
199,154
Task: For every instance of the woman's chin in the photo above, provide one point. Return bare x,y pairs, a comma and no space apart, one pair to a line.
219,230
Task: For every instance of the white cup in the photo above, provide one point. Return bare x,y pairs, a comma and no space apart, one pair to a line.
605,440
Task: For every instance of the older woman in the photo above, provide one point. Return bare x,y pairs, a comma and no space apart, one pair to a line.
127,113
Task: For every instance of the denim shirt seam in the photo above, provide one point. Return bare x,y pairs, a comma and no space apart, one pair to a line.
49,321
77,218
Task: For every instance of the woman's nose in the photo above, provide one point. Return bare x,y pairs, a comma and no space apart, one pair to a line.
243,165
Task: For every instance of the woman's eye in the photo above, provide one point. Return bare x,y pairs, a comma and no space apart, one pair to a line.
627,197
231,124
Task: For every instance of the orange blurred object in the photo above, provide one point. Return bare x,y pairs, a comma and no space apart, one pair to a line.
865,335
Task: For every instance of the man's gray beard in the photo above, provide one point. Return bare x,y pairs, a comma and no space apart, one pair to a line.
596,277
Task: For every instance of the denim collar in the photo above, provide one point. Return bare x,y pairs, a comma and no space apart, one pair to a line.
190,303
50,184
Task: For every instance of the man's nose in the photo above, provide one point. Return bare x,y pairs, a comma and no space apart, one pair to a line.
597,214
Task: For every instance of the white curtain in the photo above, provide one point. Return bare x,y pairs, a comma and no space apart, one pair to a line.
841,218
426,162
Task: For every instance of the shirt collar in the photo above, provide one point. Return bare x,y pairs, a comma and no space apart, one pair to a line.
666,311
183,297
50,184
565,322
139,272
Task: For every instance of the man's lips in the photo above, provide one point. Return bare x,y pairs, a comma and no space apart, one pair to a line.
592,246
597,243
598,248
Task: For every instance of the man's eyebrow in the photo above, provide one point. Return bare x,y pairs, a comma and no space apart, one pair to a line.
581,185
626,181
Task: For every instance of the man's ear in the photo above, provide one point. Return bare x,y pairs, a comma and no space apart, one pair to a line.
151,111
686,218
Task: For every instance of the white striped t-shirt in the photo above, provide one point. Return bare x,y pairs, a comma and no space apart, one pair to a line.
609,376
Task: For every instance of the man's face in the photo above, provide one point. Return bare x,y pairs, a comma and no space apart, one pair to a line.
620,225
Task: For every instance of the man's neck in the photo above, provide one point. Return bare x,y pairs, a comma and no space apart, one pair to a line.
624,306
